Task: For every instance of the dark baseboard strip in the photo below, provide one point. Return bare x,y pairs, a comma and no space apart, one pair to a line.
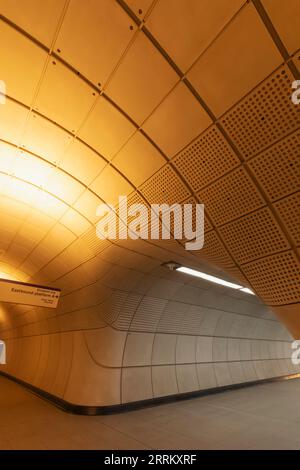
102,410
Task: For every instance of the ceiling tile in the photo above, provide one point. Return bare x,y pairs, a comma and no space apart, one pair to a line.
82,162
75,222
55,242
254,236
64,97
206,159
185,30
106,129
177,121
45,138
286,19
289,211
32,233
165,187
39,19
22,64
32,169
231,197
138,159
12,206
13,118
8,156
106,35
136,85
110,185
64,187
264,116
49,204
242,56
87,205
277,169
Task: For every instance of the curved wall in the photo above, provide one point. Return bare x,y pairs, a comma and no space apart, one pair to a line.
143,335
81,125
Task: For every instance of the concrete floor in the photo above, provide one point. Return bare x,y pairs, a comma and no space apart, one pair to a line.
260,417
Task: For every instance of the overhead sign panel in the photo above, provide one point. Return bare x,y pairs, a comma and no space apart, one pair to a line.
28,294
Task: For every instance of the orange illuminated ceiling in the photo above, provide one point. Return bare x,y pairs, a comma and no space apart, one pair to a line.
109,98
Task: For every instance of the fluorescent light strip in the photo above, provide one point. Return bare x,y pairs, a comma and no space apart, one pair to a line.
216,280
248,291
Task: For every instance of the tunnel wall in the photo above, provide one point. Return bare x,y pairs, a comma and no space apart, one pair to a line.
131,336
219,127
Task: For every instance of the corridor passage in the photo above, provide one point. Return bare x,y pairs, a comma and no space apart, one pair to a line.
265,416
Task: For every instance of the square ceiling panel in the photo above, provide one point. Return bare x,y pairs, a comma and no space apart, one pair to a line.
11,206
10,223
32,169
165,187
55,242
106,129
254,236
186,28
93,37
75,222
138,159
110,185
81,162
12,118
7,158
31,233
289,212
231,197
45,138
278,168
16,253
49,204
39,19
22,69
41,220
177,121
64,187
276,278
87,205
206,159
142,79
264,116
242,56
64,97
286,19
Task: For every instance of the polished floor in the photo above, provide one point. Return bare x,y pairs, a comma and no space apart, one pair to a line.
265,416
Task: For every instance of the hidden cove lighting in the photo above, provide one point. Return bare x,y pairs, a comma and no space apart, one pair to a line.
207,277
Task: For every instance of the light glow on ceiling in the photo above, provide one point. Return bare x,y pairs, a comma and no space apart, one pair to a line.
210,278
6,276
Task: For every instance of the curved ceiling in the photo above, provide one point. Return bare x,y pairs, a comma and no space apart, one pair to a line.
109,98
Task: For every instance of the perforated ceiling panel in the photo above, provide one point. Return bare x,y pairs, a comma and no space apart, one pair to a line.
254,236
231,197
289,212
276,278
278,168
264,116
165,101
200,162
165,187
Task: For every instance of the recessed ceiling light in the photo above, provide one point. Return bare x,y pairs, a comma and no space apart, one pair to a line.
248,291
207,277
